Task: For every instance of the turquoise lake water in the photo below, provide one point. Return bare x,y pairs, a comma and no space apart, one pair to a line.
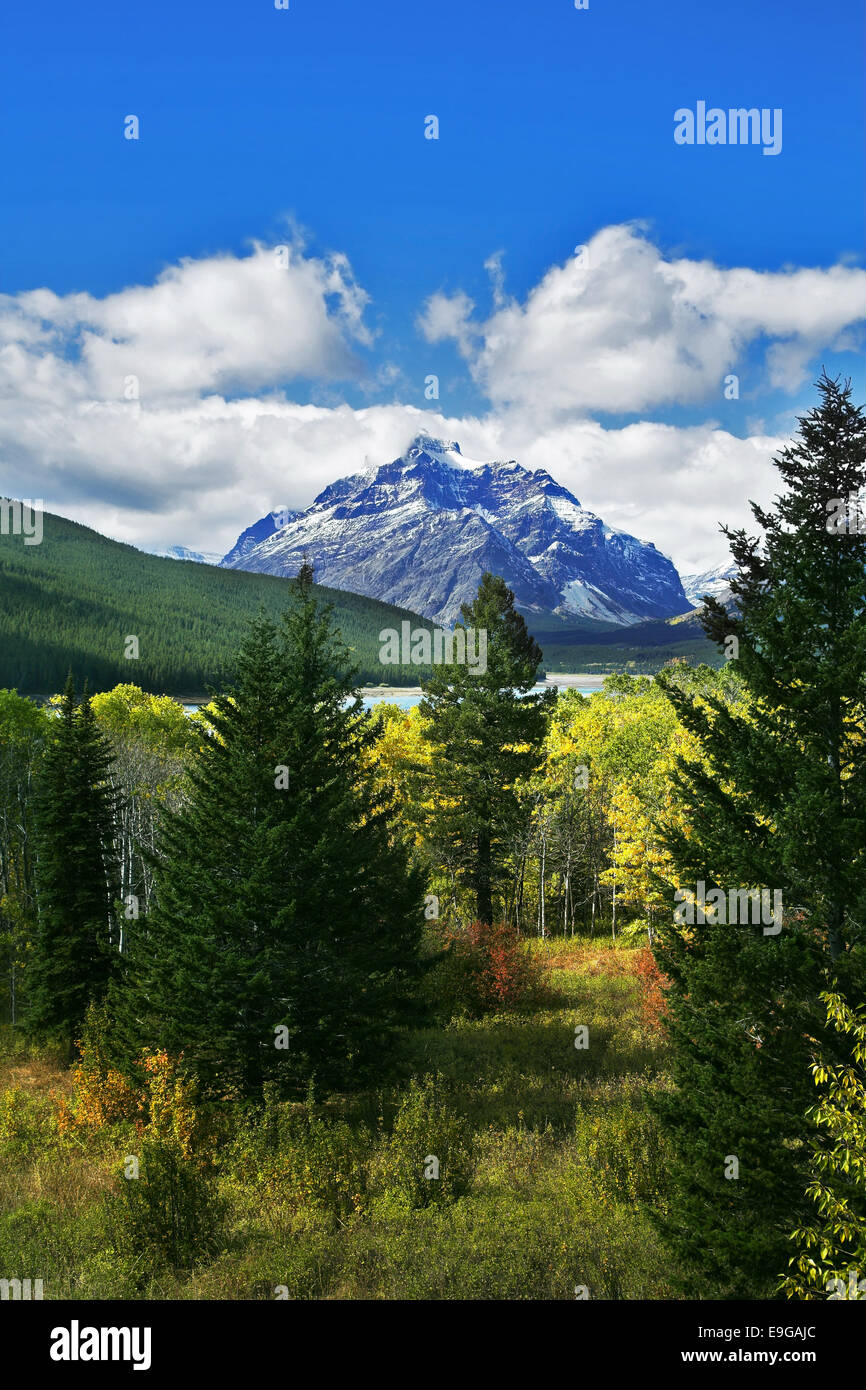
407,701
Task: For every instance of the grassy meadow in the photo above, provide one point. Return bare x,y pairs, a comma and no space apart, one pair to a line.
548,1163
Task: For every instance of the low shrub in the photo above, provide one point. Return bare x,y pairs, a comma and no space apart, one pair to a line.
26,1124
159,1099
170,1213
101,1095
428,1157
295,1160
487,969
619,1151
652,985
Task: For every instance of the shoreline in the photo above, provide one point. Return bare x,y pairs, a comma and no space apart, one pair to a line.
586,680
590,680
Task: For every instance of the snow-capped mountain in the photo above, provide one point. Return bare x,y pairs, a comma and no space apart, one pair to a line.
253,536
181,552
715,582
420,532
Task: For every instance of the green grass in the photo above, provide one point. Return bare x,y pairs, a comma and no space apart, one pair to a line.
550,1154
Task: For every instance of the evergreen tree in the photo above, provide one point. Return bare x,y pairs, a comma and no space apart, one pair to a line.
75,947
486,730
777,801
284,944
24,728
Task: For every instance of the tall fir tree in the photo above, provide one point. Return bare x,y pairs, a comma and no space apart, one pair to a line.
75,946
486,730
285,942
776,800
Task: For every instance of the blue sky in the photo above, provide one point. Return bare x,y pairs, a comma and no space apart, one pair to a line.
259,125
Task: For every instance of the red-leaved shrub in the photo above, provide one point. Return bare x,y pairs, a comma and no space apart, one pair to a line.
652,983
490,969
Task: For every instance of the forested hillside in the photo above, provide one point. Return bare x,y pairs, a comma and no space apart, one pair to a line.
641,648
71,603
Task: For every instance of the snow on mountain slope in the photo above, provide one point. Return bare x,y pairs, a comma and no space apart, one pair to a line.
181,552
255,534
421,530
715,582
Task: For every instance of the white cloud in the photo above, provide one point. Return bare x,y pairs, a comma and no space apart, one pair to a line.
673,486
220,324
621,329
197,473
670,485
215,441
448,316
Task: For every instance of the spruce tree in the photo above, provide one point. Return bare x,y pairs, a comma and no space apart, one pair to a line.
75,946
486,730
776,800
284,944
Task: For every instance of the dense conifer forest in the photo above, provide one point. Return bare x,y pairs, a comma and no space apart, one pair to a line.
70,603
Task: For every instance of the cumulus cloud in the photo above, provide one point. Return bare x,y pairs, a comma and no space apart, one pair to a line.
133,413
196,474
619,328
219,324
215,439
671,485
449,316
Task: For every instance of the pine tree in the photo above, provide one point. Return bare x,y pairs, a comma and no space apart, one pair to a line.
75,946
486,730
357,902
776,800
284,944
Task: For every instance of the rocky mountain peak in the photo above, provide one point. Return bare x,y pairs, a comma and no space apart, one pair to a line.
420,531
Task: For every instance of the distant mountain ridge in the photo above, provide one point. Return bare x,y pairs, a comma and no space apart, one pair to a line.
715,582
182,552
421,530
253,536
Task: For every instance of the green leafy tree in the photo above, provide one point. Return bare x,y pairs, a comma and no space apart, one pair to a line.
486,732
74,949
284,944
150,738
775,800
838,1240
